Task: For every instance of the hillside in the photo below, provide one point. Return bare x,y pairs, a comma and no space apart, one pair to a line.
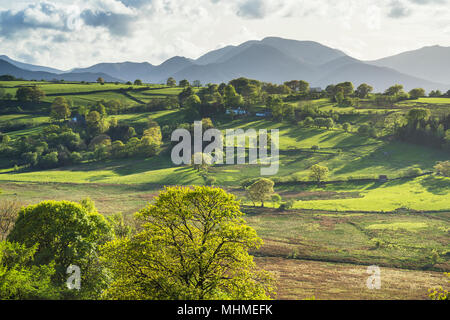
430,63
9,69
274,60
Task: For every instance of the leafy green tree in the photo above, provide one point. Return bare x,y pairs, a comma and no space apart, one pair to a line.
138,82
443,168
347,127
193,245
363,90
19,279
394,90
232,99
60,109
367,130
184,83
318,173
276,199
102,81
261,190
171,82
346,87
151,141
435,94
417,114
66,234
417,93
24,94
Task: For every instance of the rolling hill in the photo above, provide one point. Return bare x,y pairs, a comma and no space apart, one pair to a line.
274,60
30,67
10,69
430,63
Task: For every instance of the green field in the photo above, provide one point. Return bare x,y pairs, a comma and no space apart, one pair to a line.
345,224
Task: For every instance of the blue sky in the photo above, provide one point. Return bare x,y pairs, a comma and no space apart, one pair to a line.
67,34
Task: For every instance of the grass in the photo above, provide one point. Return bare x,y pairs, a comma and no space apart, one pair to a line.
320,248
423,194
400,240
300,279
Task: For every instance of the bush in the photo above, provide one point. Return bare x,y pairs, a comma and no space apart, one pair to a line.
288,205
414,172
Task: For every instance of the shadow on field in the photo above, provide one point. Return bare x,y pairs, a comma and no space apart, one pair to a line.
436,185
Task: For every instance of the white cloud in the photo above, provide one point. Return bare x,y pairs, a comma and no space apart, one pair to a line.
68,34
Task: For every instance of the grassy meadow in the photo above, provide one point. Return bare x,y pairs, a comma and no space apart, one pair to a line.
323,245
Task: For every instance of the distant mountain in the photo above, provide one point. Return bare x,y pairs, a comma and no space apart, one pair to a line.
126,71
257,61
308,52
275,60
10,69
278,60
130,71
30,67
380,78
430,63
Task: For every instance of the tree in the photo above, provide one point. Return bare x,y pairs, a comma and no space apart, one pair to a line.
192,104
9,211
318,173
394,90
19,279
102,81
346,87
184,83
435,94
417,93
261,190
232,99
66,234
363,90
367,130
418,114
443,168
201,161
138,82
193,245
276,199
151,141
347,127
24,94
303,86
197,83
60,109
171,82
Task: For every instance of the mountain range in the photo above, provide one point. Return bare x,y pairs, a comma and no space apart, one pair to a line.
271,60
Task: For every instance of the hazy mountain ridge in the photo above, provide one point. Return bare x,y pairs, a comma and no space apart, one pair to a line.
430,63
10,69
30,67
277,60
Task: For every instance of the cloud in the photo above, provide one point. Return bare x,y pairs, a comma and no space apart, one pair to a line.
135,3
42,15
252,9
117,24
398,10
110,14
421,2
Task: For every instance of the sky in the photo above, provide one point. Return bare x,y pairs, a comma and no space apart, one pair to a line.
66,34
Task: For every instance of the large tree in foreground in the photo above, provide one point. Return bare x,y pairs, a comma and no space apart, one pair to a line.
193,245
